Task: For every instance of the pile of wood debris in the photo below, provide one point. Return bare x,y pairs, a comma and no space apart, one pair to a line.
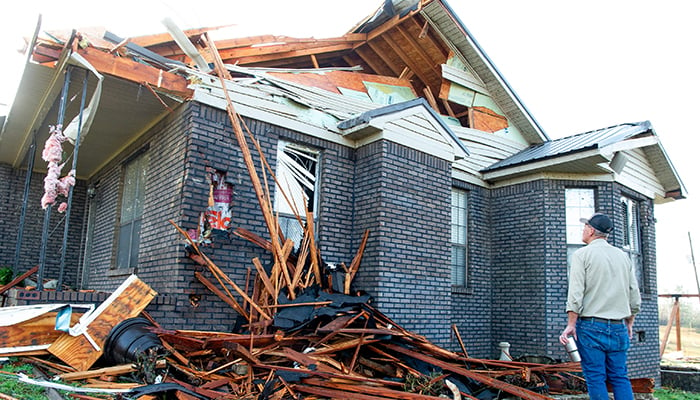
316,344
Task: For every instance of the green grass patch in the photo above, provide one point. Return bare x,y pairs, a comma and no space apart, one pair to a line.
11,385
674,394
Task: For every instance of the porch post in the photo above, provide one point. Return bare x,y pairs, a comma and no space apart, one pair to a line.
70,190
47,212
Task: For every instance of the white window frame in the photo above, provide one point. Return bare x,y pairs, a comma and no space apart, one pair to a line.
632,236
298,177
459,238
580,203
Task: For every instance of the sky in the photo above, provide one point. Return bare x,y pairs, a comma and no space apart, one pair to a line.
576,66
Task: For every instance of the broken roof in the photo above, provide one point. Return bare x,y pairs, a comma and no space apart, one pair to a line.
406,50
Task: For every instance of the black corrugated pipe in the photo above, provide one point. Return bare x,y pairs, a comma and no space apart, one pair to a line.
47,212
25,200
70,190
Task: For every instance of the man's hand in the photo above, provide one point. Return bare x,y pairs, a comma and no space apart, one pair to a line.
570,330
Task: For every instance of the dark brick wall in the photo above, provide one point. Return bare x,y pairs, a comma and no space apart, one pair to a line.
11,200
403,197
530,281
520,229
472,306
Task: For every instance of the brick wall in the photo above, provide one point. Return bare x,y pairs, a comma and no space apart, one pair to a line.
472,306
530,281
403,197
520,225
11,200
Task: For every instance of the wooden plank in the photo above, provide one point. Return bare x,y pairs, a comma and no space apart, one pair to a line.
18,279
126,302
107,371
37,331
125,68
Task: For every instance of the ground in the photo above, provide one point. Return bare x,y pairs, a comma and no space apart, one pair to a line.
690,346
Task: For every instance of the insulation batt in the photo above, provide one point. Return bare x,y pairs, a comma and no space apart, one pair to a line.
53,185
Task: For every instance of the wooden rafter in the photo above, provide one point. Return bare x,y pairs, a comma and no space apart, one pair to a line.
133,71
415,67
429,62
396,69
377,66
274,53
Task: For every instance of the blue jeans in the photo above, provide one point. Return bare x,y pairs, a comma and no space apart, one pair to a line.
603,349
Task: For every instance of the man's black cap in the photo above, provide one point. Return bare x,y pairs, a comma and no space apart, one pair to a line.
600,222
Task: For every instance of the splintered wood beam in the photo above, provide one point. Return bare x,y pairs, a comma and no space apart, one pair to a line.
340,390
431,99
139,73
494,383
18,279
218,272
227,299
263,201
355,264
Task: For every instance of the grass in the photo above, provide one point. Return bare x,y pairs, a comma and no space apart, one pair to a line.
10,385
673,394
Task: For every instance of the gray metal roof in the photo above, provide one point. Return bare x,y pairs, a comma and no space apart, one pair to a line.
573,144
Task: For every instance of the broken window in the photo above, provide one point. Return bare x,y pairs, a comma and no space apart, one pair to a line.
631,236
580,203
459,237
131,212
297,175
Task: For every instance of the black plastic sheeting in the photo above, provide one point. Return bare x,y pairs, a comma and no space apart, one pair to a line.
293,318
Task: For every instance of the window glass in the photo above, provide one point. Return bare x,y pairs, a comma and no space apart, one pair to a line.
131,212
459,237
631,236
580,203
297,177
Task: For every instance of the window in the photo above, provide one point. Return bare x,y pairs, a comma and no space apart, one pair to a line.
631,236
580,203
459,237
131,211
297,175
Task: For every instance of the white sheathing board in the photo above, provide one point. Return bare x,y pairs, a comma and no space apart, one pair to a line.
638,175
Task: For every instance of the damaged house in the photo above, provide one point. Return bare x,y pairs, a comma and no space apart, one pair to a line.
402,128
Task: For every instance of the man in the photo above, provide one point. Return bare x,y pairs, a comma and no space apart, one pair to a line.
602,302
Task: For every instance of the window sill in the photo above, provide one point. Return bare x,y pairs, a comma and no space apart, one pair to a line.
462,290
121,272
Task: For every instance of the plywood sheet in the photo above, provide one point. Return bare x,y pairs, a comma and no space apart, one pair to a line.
126,302
36,331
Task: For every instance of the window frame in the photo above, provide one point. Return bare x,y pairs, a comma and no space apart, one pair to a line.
583,208
287,219
631,236
139,163
459,223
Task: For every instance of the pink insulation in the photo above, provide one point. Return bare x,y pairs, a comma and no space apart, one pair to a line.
54,185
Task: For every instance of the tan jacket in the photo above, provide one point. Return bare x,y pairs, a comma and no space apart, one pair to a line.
602,282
